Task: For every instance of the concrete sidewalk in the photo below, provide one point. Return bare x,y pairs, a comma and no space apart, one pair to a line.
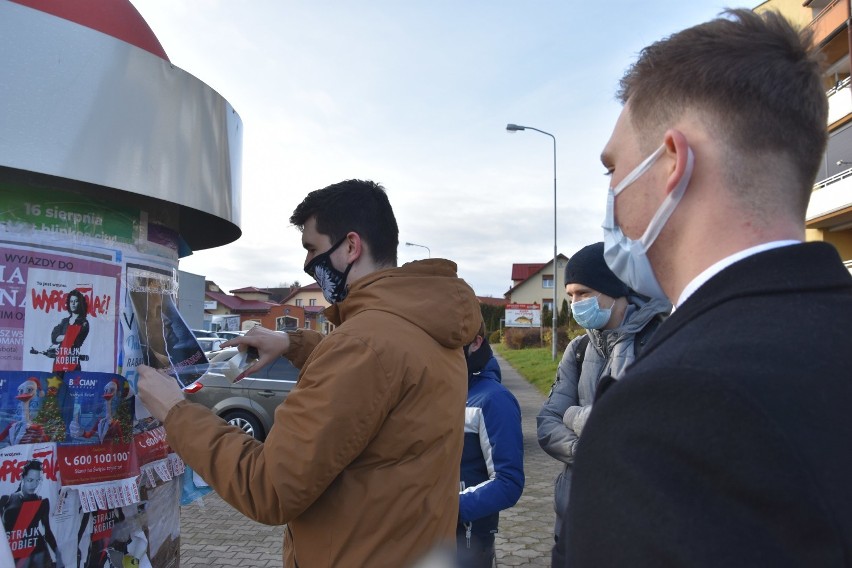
526,530
216,535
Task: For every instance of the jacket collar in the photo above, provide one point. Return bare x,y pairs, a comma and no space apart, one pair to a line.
807,267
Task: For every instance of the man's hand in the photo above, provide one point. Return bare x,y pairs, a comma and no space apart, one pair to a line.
158,392
270,345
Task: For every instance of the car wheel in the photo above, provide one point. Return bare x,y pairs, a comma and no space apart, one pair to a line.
245,422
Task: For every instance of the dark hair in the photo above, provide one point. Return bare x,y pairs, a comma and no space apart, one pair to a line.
32,465
82,303
756,80
353,205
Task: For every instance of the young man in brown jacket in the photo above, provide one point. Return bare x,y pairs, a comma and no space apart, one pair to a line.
362,462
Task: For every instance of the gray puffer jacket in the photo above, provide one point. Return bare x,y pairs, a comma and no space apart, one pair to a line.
564,413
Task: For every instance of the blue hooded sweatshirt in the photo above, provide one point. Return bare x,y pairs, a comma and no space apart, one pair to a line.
492,466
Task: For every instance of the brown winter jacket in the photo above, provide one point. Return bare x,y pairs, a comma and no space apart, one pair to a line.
362,463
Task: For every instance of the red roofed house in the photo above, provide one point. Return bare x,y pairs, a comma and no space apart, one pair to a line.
533,283
521,272
310,298
253,307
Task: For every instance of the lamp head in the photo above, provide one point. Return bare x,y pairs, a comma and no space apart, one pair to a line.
514,127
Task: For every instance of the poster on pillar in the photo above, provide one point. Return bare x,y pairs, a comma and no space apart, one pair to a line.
30,408
60,311
166,342
29,493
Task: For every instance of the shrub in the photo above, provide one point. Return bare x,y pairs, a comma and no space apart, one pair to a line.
564,336
494,338
522,337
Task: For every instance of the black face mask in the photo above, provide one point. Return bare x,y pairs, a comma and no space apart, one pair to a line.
477,360
330,280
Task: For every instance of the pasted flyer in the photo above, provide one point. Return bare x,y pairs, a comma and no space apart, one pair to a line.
57,312
165,340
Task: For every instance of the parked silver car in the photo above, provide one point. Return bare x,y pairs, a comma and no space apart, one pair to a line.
204,333
210,345
250,403
230,334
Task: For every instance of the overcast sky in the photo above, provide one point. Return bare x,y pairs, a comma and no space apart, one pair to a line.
416,95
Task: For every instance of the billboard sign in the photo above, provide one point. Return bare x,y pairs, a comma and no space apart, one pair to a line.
523,315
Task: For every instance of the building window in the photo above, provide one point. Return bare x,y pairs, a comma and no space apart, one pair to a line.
298,303
313,301
547,281
307,324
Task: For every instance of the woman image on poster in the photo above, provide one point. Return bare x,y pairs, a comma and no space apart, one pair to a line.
25,431
26,520
70,333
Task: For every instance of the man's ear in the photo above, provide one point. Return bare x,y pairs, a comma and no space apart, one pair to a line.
677,150
475,344
354,247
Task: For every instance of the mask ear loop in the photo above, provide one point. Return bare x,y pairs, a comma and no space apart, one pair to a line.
658,221
639,170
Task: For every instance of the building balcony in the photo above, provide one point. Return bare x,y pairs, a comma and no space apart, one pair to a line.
831,18
839,101
831,202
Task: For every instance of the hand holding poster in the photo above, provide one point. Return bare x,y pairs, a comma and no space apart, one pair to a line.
167,342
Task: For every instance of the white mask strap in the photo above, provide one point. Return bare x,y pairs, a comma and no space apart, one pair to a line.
639,170
667,207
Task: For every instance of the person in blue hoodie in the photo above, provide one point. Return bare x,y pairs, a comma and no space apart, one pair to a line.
492,465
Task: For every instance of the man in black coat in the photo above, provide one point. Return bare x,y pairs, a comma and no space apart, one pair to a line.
727,443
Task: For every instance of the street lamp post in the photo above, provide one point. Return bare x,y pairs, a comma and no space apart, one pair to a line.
515,128
429,252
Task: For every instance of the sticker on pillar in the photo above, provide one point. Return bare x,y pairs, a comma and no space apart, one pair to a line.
29,491
166,341
31,408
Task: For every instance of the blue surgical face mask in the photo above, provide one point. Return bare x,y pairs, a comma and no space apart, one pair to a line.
589,314
628,258
330,280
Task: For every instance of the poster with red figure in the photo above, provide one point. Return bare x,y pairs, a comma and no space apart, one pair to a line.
57,312
29,491
71,321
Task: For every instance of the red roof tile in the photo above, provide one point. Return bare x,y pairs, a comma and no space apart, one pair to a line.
524,271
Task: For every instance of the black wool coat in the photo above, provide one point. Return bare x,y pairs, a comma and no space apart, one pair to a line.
729,441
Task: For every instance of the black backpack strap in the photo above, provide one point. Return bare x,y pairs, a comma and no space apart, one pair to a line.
580,353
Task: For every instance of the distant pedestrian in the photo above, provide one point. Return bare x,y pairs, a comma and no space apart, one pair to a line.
725,443
492,465
618,322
